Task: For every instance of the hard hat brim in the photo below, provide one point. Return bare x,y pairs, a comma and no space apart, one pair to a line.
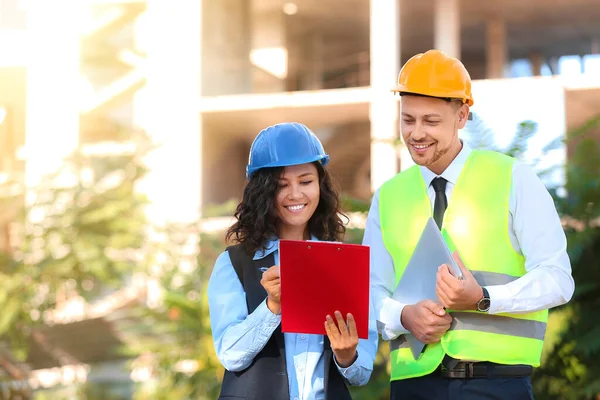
322,158
402,90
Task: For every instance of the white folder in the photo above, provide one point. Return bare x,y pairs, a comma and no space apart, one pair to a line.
419,279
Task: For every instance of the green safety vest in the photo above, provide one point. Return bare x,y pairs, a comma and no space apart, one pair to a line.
476,225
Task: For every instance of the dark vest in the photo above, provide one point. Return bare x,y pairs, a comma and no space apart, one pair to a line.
266,378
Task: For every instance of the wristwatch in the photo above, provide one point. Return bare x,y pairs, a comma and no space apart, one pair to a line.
483,305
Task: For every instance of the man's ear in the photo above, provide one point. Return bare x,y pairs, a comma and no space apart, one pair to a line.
463,115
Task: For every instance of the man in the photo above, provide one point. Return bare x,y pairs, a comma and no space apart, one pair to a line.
505,233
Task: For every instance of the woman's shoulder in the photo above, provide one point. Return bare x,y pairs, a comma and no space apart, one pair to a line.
237,251
223,258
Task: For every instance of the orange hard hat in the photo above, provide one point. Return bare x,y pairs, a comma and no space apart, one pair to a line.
435,74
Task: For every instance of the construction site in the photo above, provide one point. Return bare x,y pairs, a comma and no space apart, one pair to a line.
201,78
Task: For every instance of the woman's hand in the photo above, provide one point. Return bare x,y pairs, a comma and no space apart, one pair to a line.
272,284
343,338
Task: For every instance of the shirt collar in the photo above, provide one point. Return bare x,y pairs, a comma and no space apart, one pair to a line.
271,246
453,171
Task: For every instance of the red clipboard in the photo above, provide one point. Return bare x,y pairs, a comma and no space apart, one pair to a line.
318,278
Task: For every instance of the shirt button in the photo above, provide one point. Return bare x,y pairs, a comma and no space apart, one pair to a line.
302,337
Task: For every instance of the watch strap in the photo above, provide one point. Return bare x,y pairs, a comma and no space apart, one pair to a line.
485,299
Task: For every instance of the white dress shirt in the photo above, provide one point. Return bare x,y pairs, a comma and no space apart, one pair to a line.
535,232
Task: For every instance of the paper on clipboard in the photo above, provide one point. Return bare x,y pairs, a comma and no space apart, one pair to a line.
318,278
418,281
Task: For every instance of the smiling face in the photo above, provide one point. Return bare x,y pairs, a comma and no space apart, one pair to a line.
297,199
430,130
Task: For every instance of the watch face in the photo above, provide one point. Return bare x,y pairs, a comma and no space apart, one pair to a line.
484,304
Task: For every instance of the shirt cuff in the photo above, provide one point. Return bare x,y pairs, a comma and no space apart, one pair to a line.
501,299
390,325
352,372
269,320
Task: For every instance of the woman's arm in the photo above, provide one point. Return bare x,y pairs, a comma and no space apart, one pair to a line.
237,336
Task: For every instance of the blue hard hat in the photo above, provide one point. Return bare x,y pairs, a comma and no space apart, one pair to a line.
285,144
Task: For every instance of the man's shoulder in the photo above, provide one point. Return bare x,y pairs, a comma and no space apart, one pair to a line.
486,159
402,177
493,154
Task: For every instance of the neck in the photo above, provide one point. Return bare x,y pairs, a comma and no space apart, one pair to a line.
293,233
440,166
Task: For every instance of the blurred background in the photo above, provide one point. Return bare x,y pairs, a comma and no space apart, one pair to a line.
125,127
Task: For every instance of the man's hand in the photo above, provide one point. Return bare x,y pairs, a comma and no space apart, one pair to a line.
427,321
271,282
458,294
343,338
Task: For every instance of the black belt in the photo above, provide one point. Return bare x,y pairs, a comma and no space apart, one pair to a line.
463,370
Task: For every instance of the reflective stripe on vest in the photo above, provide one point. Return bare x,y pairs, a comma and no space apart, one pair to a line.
475,224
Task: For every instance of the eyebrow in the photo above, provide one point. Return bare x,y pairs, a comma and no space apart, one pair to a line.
433,115
299,176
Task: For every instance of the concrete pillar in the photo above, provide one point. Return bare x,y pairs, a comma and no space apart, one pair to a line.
496,52
385,65
595,46
52,100
536,60
226,38
314,53
447,27
225,158
295,62
269,51
167,109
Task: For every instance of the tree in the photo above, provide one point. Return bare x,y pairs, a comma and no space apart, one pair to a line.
569,366
572,370
175,343
78,235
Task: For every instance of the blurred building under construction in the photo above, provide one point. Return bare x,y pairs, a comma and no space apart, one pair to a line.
203,77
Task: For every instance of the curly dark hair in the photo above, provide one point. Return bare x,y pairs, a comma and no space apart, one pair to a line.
257,216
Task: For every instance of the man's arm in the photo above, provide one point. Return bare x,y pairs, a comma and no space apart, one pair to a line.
548,282
383,278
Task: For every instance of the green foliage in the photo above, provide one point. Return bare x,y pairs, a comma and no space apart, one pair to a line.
178,329
569,367
85,391
572,371
225,209
77,234
351,204
354,235
378,387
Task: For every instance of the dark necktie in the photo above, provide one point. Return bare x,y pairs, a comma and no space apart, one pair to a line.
441,202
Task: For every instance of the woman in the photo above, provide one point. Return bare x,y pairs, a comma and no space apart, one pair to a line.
289,195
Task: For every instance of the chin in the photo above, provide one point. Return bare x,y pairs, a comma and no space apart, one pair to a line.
297,222
421,159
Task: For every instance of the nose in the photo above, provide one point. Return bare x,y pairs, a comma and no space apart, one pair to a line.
418,133
295,191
